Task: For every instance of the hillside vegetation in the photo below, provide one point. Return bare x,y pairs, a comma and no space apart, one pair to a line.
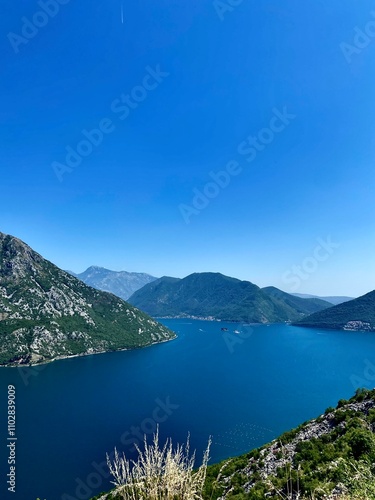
357,314
46,313
215,296
330,457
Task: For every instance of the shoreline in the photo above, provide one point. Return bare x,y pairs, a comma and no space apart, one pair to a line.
59,358
211,318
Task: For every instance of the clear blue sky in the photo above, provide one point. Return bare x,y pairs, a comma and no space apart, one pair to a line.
228,69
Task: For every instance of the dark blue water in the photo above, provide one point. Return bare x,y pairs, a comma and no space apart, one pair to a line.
243,389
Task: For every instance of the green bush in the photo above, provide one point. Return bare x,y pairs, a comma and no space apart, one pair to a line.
361,442
371,416
342,402
340,416
360,394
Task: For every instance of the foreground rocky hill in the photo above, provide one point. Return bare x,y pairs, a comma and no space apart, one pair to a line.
45,313
331,457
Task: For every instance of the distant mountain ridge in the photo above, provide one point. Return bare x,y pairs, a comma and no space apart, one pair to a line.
45,313
302,305
215,296
124,284
357,314
332,299
120,283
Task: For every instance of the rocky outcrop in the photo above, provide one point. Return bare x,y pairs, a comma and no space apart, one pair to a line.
278,456
45,313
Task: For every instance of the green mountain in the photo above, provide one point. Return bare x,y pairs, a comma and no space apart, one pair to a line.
215,296
45,313
357,314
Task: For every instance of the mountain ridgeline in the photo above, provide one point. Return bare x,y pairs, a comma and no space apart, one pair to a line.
215,296
357,314
45,313
332,299
120,283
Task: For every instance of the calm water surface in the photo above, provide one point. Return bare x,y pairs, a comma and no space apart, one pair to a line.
242,388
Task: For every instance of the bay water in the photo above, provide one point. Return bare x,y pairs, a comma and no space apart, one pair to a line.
241,384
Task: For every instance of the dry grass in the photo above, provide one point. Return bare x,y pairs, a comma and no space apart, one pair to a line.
159,473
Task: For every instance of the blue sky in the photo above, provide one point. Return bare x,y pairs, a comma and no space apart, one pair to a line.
221,72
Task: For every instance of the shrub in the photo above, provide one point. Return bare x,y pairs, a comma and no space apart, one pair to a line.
159,473
371,416
288,436
329,410
360,394
342,402
361,442
340,416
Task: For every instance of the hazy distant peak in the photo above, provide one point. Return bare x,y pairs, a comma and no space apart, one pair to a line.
332,299
120,283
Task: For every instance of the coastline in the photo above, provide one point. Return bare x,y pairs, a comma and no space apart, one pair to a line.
59,358
209,318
